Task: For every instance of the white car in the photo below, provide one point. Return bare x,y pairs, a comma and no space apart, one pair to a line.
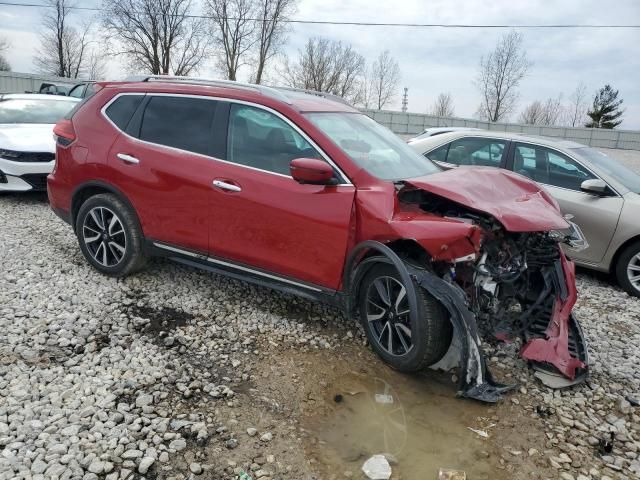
27,148
433,131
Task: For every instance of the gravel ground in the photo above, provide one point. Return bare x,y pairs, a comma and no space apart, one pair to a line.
160,375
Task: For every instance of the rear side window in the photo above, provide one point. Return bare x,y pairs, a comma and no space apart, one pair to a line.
122,109
179,122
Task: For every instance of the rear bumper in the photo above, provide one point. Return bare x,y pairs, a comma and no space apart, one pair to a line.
62,214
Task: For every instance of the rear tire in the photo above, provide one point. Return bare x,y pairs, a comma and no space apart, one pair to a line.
110,236
386,321
627,269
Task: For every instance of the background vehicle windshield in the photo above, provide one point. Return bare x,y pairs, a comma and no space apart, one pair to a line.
372,146
15,110
622,174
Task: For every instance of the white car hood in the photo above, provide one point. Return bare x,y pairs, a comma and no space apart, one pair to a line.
27,137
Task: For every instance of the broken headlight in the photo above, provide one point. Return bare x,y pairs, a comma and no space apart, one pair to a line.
571,236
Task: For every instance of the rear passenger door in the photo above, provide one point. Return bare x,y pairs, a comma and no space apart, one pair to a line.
562,176
162,162
266,222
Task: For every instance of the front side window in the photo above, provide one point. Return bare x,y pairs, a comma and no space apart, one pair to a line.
14,110
372,146
476,151
549,166
260,139
179,122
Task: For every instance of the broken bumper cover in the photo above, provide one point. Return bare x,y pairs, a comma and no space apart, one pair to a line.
476,381
555,345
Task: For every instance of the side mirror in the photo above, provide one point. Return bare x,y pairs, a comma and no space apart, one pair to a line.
311,170
595,185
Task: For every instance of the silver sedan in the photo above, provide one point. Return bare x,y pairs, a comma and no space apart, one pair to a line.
602,195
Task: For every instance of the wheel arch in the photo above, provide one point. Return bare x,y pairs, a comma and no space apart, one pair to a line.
95,187
621,248
366,254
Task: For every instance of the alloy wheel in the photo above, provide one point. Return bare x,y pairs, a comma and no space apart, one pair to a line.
104,237
633,271
388,315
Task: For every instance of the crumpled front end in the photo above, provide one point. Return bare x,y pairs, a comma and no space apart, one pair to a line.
505,283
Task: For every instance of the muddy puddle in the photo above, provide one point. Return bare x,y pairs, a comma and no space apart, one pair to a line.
416,419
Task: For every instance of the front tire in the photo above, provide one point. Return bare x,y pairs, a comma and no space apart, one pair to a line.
384,313
110,236
628,269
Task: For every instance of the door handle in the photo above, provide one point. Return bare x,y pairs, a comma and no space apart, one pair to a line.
128,158
226,186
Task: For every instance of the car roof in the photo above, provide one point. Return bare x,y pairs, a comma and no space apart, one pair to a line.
36,96
298,99
515,136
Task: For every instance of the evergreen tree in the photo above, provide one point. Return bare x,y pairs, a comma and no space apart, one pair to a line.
605,111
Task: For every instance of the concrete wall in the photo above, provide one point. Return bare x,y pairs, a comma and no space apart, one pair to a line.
408,124
14,82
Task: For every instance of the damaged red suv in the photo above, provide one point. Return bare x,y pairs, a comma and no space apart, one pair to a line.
299,191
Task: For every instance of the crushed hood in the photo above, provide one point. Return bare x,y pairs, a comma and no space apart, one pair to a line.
27,137
518,203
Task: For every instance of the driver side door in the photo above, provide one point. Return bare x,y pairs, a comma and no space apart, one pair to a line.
597,216
264,222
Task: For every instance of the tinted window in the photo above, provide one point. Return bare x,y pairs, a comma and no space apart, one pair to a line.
439,154
179,122
260,139
476,151
122,109
549,166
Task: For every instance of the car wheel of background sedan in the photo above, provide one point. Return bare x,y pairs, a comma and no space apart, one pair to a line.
384,313
109,235
628,269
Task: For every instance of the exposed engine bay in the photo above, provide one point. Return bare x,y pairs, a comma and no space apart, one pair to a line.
514,285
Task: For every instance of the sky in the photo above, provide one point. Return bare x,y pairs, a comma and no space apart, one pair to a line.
435,60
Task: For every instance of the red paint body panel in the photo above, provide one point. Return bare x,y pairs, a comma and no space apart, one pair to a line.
279,225
520,204
555,348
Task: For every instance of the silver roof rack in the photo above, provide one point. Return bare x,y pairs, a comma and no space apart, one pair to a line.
329,96
270,91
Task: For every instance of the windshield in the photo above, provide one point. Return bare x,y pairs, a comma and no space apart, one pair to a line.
617,170
14,110
372,146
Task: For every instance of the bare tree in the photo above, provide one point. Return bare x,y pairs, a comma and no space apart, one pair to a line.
63,47
234,29
532,113
156,36
96,66
271,31
385,75
549,112
443,106
326,66
4,63
552,111
577,111
499,76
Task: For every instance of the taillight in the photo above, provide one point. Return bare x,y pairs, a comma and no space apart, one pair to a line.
64,133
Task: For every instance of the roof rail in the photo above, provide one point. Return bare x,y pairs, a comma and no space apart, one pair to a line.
329,96
270,91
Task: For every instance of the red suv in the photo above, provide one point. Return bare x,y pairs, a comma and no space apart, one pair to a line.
299,191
